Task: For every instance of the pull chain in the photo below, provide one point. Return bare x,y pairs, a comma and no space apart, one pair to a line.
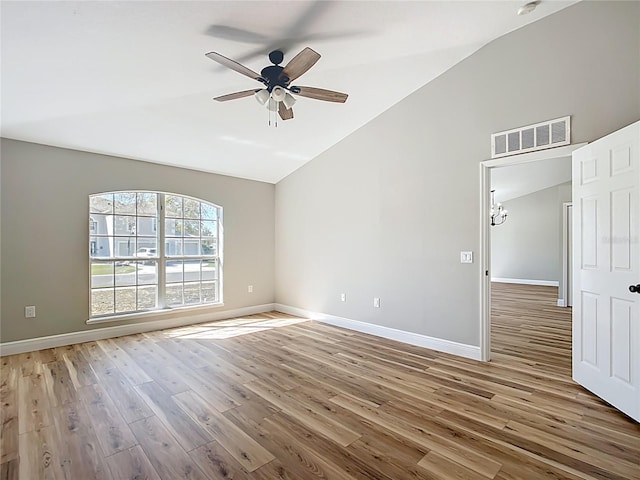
275,122
275,112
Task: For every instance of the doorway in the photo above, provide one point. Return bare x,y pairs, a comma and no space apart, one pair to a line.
485,247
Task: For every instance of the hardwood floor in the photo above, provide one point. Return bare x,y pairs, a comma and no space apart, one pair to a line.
276,397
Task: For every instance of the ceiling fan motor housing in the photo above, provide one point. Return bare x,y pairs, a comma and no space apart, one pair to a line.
272,75
276,57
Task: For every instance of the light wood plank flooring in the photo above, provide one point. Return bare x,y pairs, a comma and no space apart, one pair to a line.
276,397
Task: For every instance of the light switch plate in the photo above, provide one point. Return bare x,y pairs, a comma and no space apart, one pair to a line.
466,257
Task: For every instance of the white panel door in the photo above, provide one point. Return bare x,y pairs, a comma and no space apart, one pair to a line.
606,263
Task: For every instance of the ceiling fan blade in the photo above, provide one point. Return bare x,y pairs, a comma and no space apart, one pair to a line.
299,64
236,34
233,96
320,94
233,65
285,113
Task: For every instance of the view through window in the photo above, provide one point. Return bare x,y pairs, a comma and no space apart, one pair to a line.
152,250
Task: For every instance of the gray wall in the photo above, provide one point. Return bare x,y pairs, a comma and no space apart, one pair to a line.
45,237
387,211
529,244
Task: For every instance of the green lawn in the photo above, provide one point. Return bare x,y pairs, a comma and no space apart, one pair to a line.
100,269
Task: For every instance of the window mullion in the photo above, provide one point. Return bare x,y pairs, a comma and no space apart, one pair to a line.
162,265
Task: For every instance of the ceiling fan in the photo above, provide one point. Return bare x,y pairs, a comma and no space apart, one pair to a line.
276,95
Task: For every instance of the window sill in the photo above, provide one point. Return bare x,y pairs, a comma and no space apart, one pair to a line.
153,314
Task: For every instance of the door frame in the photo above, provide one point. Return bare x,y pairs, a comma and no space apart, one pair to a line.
565,291
485,237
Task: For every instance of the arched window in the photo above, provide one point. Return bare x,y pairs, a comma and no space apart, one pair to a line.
152,251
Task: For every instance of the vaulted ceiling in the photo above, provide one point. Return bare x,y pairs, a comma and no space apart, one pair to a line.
131,78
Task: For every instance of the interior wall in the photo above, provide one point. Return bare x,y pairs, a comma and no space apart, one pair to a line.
528,246
44,201
386,212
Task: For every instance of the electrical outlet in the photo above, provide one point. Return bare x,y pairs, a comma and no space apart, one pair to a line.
343,297
376,302
30,312
250,289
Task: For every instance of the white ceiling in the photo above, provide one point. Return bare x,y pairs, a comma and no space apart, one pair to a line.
131,79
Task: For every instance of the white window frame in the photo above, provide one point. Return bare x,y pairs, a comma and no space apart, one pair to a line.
160,259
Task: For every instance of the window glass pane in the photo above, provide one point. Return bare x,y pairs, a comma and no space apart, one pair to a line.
125,299
209,292
146,227
124,246
101,203
174,294
209,270
173,271
191,228
147,247
125,202
102,274
147,272
191,293
209,212
125,225
125,274
100,246
147,204
192,270
173,227
102,224
209,247
209,229
191,246
101,301
173,247
191,208
147,297
173,206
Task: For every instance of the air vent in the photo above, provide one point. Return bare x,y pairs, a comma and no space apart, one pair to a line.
552,133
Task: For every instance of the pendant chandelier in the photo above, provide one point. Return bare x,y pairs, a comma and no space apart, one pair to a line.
498,213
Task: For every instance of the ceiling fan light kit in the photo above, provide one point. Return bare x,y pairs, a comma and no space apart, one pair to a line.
272,105
262,96
277,94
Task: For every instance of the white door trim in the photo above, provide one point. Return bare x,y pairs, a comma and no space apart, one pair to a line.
563,295
485,245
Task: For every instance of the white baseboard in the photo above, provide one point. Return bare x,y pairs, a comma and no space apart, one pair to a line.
441,345
40,343
524,281
561,302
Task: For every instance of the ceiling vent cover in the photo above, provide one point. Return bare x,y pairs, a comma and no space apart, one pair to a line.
552,133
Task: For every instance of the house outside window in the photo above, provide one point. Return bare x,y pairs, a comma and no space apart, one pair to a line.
153,251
